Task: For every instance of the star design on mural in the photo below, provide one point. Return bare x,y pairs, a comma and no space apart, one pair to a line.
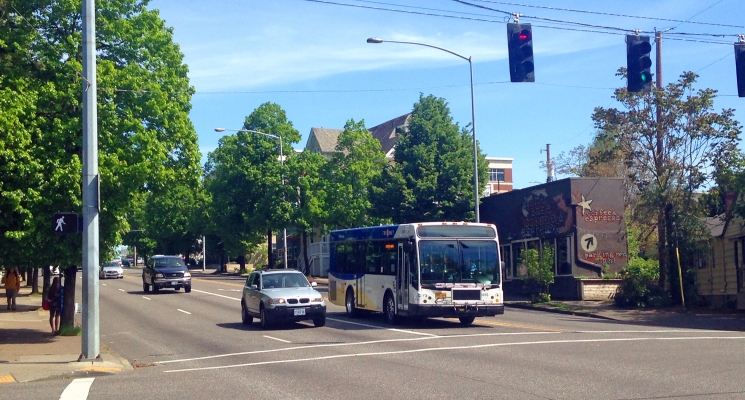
585,204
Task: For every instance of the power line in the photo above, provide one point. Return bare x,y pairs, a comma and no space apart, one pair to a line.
616,15
621,31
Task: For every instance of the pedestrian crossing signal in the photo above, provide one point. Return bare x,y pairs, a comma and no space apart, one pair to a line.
65,223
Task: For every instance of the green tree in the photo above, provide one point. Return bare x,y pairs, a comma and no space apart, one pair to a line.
311,196
358,161
539,269
246,179
671,141
431,178
145,136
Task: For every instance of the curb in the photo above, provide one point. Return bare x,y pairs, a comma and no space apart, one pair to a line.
528,306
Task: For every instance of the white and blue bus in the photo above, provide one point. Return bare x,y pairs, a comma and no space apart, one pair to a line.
428,269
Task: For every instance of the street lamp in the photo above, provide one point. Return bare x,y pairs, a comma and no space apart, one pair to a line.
473,116
282,163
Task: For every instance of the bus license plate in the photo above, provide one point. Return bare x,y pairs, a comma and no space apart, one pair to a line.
299,311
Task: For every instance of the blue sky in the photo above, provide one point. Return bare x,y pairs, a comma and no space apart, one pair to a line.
311,58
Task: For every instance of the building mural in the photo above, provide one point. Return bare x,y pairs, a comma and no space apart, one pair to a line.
580,219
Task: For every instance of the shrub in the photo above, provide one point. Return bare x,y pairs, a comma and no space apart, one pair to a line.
639,287
540,267
540,298
70,330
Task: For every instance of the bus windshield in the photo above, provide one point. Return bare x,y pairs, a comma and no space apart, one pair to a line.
459,261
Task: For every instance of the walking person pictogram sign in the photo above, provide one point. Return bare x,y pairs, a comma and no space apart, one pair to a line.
65,223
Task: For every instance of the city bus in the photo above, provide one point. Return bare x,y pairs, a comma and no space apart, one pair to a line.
428,269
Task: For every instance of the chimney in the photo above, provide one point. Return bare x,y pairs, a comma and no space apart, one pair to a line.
729,200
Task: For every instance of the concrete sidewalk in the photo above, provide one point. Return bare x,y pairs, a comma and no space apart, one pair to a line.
29,351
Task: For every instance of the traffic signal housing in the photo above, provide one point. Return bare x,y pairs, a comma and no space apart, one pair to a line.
740,65
638,63
520,48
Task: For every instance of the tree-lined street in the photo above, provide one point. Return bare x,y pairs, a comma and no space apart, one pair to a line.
194,345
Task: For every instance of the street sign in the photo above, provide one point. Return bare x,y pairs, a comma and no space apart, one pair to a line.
63,223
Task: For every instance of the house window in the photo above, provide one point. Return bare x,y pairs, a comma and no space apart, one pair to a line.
496,174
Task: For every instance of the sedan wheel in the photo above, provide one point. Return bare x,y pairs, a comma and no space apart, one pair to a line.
319,322
245,318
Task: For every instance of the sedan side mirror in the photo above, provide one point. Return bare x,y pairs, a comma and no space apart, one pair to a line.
254,287
313,284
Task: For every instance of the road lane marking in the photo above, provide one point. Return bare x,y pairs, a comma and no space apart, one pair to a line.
185,312
217,282
449,348
104,284
146,298
215,294
122,290
408,339
281,340
77,389
229,290
7,379
509,325
380,327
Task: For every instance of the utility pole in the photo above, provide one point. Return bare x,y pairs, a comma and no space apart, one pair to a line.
549,165
91,186
204,253
658,161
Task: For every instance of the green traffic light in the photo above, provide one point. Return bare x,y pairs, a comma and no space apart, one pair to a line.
645,77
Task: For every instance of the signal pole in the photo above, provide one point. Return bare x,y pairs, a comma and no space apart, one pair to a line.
91,185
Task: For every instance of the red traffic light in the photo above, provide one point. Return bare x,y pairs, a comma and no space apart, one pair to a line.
525,35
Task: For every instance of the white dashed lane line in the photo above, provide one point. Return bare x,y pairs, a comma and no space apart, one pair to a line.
122,290
185,312
104,284
146,298
281,340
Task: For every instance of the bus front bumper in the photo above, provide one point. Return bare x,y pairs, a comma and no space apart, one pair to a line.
455,311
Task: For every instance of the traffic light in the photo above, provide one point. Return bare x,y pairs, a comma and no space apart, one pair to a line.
520,48
740,64
65,223
638,63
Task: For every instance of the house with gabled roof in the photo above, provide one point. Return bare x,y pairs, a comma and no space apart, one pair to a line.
720,272
323,140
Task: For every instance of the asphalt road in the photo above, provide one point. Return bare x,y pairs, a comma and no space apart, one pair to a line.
194,346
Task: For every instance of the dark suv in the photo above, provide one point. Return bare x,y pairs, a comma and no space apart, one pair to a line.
165,272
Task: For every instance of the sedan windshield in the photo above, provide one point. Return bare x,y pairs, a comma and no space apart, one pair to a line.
459,261
275,281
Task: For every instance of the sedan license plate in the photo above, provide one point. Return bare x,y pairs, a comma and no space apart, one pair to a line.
299,311
174,283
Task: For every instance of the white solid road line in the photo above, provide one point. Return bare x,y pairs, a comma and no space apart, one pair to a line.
185,312
448,348
146,298
281,340
77,389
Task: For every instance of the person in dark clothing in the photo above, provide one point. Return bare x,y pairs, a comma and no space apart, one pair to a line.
55,297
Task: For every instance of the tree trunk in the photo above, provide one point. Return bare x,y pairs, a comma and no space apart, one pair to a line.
35,280
47,274
68,305
242,262
661,248
306,265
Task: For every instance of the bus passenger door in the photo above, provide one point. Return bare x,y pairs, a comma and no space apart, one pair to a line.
402,279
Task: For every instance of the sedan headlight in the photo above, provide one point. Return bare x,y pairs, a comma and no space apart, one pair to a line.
276,301
316,300
187,274
159,275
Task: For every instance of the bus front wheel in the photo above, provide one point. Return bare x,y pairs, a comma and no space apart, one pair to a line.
466,320
349,302
389,309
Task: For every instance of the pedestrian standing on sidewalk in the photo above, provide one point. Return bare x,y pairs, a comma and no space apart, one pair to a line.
12,282
55,297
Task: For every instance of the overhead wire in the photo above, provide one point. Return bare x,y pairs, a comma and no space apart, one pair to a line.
609,30
617,15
